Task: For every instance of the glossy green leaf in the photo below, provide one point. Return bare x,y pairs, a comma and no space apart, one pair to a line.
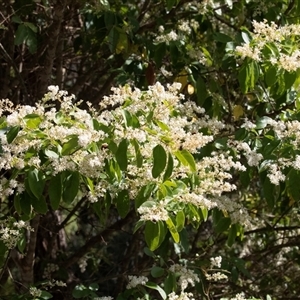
154,234
170,4
269,192
21,34
271,76
70,146
201,89
12,133
187,159
138,155
33,121
293,184
232,234
21,245
180,220
113,38
3,253
36,182
157,271
25,203
39,204
55,191
154,286
170,283
173,230
17,204
159,160
70,186
121,155
289,79
222,225
169,168
123,203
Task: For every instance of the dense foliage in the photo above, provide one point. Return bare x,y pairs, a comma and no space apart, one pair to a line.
181,181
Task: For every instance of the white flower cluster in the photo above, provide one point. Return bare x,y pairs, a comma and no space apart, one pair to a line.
53,283
215,276
264,33
186,276
49,269
240,296
216,261
253,158
135,281
83,141
82,264
156,212
11,231
181,296
35,292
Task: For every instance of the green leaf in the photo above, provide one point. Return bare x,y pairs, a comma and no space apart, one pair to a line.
248,75
39,204
187,159
289,79
293,184
113,38
201,91
17,204
243,78
55,191
70,146
170,283
12,133
3,253
70,187
138,155
144,194
22,243
184,240
173,230
222,225
159,160
154,234
36,182
180,220
16,19
246,36
21,34
25,203
262,122
170,4
157,272
121,155
33,121
170,166
232,234
154,286
123,203
45,295
271,76
221,37
31,26
203,213
122,44
80,291
269,192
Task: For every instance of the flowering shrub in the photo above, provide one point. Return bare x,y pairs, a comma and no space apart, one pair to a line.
187,190
138,153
